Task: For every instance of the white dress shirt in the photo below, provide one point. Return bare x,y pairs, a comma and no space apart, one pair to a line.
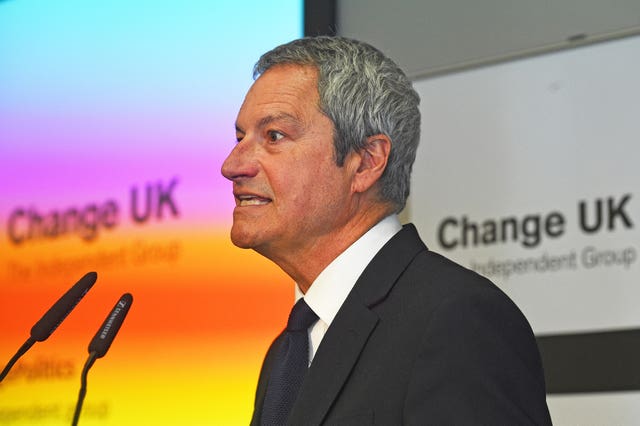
330,289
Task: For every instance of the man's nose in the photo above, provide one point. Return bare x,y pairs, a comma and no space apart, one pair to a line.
241,161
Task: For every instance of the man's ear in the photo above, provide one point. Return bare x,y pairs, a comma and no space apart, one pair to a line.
373,161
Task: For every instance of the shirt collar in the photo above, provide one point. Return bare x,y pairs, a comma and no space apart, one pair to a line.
330,289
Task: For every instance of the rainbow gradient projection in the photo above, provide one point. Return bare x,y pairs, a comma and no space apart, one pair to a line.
115,118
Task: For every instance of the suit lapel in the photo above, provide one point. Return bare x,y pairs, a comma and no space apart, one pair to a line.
351,328
264,380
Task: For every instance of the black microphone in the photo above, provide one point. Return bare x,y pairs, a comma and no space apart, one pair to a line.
100,345
59,311
53,317
104,337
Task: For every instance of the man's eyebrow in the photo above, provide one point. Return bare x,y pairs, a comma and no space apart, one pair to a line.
265,121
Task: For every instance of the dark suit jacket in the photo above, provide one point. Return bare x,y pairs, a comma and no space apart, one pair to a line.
421,340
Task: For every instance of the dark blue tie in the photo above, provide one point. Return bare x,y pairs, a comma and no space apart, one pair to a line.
289,366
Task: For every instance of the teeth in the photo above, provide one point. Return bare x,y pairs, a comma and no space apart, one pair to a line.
247,200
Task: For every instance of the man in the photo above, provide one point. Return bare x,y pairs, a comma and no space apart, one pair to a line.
327,136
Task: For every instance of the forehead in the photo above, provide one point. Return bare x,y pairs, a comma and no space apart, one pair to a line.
290,88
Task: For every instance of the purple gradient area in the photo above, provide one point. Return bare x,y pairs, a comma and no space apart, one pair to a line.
51,160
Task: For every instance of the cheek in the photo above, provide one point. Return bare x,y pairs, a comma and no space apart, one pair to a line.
328,192
310,183
301,175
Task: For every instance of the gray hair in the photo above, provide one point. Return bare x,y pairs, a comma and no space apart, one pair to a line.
363,93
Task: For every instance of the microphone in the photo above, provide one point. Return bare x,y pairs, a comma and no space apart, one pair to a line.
53,317
104,337
59,311
100,344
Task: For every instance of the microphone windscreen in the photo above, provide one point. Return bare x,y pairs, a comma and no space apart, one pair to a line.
104,337
59,311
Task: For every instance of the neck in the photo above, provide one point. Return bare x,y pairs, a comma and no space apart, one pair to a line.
304,264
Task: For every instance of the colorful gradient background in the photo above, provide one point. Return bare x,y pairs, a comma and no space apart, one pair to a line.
99,100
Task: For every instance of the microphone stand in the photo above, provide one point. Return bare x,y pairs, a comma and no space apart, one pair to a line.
83,387
24,348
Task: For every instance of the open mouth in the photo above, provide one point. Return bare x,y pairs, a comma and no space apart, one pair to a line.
252,200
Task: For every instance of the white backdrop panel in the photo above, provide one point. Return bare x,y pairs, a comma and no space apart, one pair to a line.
530,142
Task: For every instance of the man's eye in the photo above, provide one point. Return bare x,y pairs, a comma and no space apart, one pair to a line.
274,135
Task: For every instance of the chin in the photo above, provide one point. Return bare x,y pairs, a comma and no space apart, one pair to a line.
240,242
241,239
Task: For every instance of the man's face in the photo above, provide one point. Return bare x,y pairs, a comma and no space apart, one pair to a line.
290,194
